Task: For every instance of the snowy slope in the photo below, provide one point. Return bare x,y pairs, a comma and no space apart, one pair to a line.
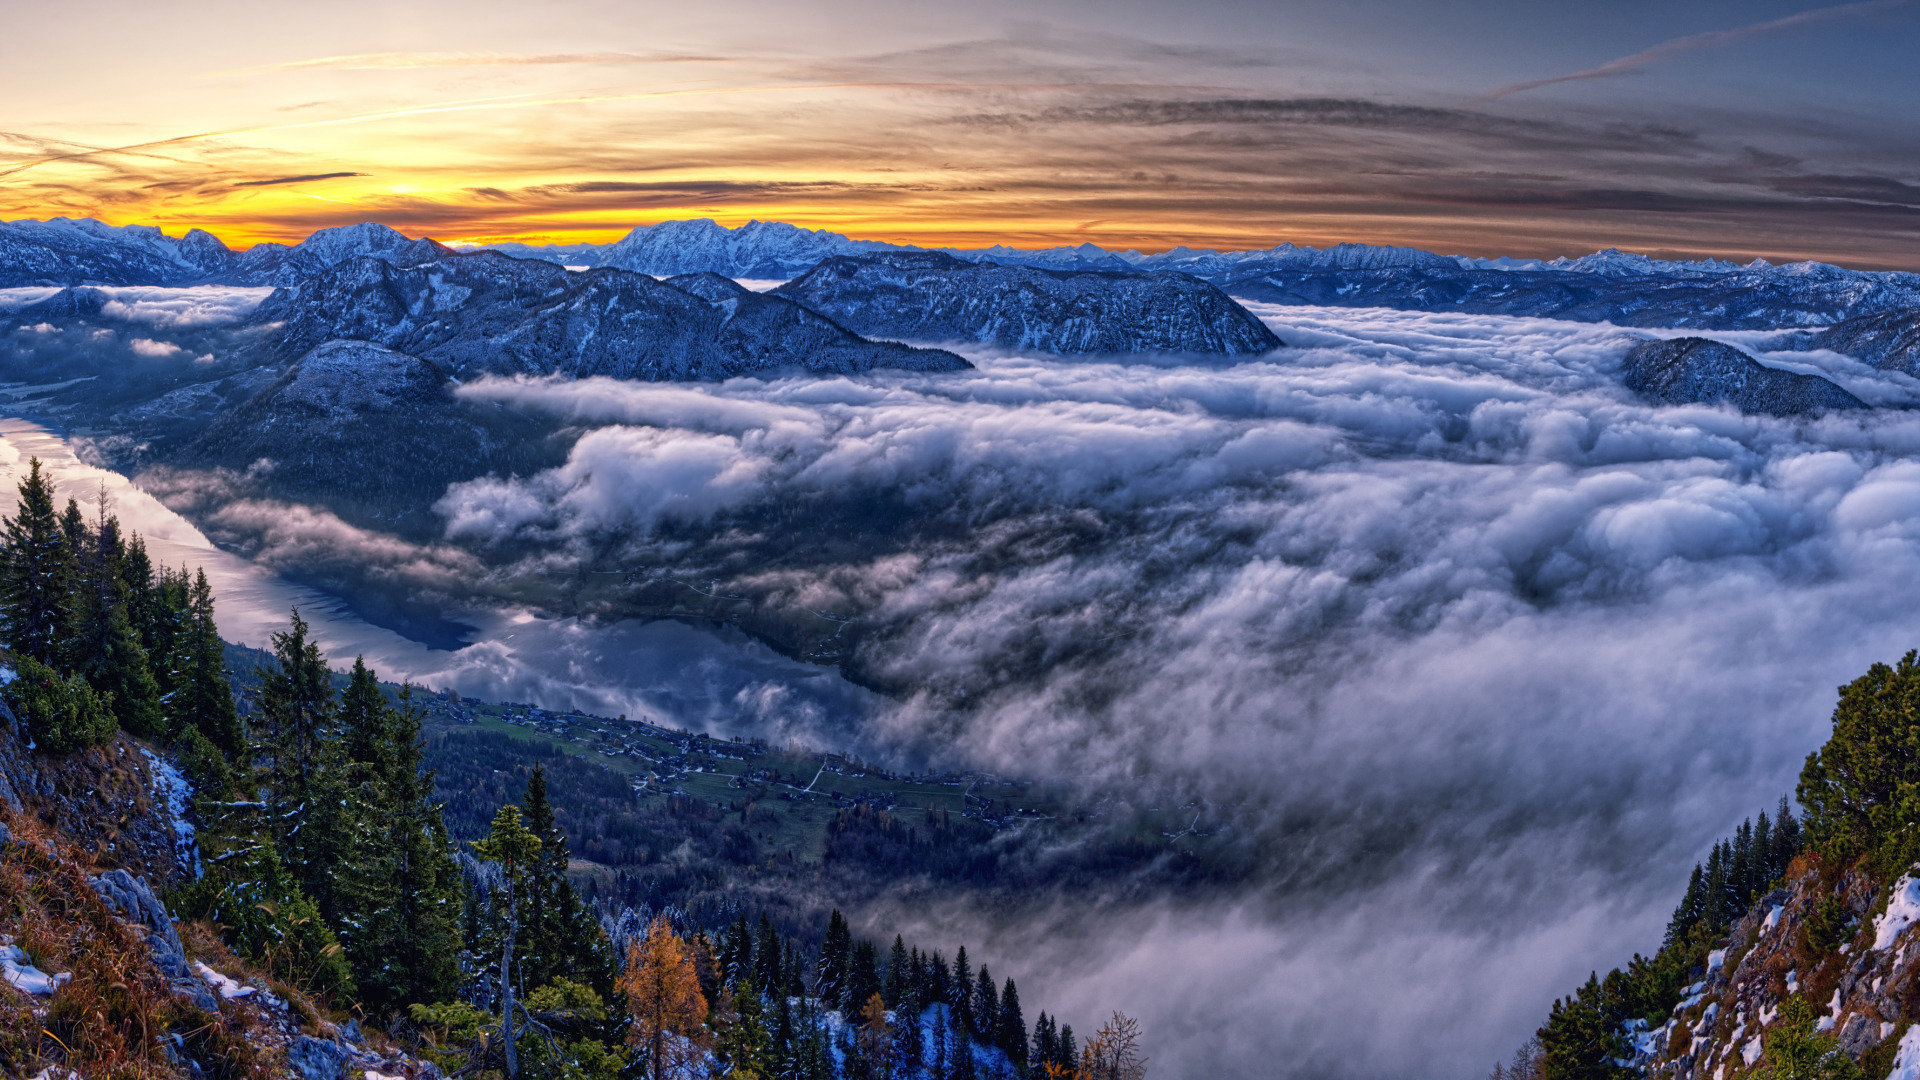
931,297
486,313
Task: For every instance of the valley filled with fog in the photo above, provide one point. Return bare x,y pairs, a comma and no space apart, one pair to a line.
1459,653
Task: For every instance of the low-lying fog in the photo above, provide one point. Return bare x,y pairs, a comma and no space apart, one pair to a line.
1476,652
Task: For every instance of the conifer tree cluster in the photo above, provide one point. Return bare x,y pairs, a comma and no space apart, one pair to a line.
1584,1037
1738,871
327,856
102,640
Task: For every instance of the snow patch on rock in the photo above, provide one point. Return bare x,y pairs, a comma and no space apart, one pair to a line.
1903,910
24,977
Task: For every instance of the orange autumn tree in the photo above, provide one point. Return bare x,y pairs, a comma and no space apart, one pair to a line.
1114,1052
663,996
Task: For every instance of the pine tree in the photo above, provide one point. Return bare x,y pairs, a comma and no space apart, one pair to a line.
898,976
563,937
202,695
295,728
962,1041
1716,886
743,1043
1046,1046
363,724
835,950
1013,1027
986,1007
38,573
104,648
960,991
1691,910
1786,838
768,969
735,956
940,1058
907,1036
146,603
782,1047
863,975
403,923
1740,867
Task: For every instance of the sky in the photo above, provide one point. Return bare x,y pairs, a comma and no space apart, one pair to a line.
1733,129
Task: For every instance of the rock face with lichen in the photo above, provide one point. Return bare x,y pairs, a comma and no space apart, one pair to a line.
1846,944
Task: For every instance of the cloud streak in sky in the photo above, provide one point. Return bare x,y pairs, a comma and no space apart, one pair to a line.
1707,40
1030,136
401,61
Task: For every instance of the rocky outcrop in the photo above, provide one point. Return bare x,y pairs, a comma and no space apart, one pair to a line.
931,297
489,314
1696,370
1839,940
132,899
114,800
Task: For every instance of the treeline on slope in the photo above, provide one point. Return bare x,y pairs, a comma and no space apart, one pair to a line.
328,862
1585,1034
1860,797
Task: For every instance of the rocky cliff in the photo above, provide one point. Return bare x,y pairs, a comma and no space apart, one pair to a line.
1839,940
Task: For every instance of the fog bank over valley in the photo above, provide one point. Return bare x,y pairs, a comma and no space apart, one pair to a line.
1456,652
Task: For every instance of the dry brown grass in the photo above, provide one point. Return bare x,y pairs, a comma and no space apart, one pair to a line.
114,1016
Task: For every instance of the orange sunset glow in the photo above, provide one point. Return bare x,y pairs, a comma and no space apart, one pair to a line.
469,124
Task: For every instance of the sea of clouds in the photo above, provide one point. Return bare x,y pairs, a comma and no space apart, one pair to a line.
1465,653
1474,651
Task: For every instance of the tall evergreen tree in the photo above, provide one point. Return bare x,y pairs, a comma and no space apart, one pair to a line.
514,848
202,695
899,976
835,955
304,785
986,1007
1046,1041
37,578
1012,1039
104,648
563,937
960,990
863,975
404,921
769,970
1693,908
1786,838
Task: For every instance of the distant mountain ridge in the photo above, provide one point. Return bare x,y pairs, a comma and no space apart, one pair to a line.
1620,287
932,297
486,313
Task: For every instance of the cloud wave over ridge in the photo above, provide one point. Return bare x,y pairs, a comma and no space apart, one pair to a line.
1467,651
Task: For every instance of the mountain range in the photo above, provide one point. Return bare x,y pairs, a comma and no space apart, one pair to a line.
1623,288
